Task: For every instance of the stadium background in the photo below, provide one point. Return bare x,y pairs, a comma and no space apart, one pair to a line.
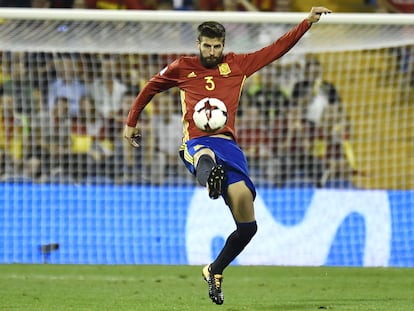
365,221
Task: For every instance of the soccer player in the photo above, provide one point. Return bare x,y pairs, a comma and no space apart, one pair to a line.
214,157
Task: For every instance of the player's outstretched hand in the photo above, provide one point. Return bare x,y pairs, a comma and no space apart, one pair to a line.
132,135
316,12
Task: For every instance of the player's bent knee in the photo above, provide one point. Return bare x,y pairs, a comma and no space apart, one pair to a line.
247,230
204,165
203,151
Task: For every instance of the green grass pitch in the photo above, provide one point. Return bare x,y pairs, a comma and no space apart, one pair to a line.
165,288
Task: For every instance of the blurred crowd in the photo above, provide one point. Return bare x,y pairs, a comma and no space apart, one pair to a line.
203,5
62,117
62,114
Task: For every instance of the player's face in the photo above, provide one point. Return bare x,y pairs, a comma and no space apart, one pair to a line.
211,51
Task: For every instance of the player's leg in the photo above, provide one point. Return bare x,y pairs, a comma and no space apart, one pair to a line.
208,173
237,190
240,199
204,161
211,175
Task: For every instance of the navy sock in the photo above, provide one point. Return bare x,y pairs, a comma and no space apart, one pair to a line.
234,245
203,169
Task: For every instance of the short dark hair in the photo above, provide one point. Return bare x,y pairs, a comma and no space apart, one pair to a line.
211,30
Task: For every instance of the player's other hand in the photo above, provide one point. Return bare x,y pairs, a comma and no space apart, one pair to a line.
316,12
132,135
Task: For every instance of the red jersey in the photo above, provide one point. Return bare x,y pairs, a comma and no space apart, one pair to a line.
224,82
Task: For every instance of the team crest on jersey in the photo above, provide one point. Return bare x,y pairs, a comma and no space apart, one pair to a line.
224,69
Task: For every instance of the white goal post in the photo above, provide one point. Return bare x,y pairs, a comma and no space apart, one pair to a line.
197,16
361,21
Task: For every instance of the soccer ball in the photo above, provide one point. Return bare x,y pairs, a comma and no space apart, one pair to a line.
210,114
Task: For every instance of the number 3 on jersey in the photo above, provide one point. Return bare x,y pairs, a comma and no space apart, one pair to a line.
210,85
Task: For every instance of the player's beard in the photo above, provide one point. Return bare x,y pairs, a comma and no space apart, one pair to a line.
211,61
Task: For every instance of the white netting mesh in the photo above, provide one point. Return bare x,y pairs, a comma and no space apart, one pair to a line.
369,65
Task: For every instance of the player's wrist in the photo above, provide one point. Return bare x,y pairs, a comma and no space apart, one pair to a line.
313,18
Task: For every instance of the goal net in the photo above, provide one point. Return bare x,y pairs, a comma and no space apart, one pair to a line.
336,112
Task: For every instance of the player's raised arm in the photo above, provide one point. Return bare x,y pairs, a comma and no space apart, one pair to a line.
316,12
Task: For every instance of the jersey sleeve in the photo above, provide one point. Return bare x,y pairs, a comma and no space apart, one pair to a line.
252,62
165,79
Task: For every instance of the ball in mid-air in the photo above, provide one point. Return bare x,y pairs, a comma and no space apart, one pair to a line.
210,114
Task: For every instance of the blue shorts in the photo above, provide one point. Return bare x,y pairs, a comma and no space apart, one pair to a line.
228,154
